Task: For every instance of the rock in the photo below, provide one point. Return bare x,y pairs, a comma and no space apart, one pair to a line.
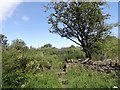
107,62
68,61
103,64
92,67
66,66
64,81
115,87
95,63
90,62
80,60
110,68
99,63
71,60
104,67
117,68
76,61
100,69
108,71
86,60
113,64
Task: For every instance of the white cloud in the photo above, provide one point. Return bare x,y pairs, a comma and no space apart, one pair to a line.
25,18
7,8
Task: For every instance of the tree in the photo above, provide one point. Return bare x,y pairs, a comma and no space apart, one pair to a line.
3,40
47,46
72,46
81,22
18,44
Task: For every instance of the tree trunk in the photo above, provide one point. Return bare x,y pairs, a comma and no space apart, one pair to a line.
87,52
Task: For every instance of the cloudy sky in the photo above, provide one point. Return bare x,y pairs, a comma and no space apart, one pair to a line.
28,21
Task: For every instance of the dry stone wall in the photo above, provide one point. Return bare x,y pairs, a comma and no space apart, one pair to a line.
108,65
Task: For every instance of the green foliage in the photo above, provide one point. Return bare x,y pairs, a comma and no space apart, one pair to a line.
18,44
3,40
22,67
82,78
72,53
81,22
14,64
105,48
47,46
43,80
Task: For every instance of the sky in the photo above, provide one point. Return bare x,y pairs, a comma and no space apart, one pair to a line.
28,21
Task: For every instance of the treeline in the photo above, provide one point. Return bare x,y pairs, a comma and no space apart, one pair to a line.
19,62
102,49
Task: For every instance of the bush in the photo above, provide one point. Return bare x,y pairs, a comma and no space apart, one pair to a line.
72,53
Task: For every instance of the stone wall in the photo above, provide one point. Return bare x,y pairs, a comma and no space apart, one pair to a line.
108,65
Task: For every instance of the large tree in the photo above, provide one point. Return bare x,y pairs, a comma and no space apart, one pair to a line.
81,22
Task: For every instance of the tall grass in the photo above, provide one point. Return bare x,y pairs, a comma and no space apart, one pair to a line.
46,79
82,78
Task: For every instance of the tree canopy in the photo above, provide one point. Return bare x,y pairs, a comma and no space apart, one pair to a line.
18,44
47,46
84,23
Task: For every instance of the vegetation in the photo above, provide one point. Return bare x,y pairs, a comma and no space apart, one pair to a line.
81,78
82,23
3,40
43,80
37,67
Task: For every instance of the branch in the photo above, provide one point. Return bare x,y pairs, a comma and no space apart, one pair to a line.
73,41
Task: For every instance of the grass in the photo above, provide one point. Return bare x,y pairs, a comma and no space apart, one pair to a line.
21,70
78,77
82,78
46,79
